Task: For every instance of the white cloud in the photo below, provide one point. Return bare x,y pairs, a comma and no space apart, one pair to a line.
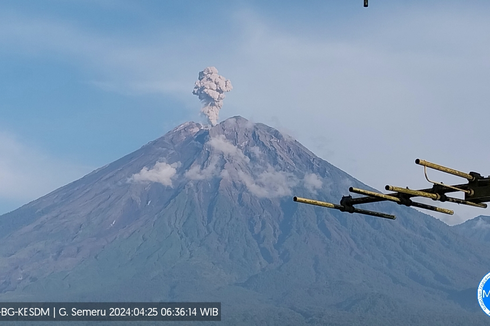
256,151
162,173
312,182
225,174
211,170
270,183
222,145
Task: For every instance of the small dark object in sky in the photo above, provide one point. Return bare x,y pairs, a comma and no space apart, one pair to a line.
365,3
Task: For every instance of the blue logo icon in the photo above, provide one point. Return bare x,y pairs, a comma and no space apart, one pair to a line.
484,294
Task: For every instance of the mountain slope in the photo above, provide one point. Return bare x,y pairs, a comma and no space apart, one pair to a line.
477,229
206,214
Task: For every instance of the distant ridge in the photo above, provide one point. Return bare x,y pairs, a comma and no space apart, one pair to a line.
477,229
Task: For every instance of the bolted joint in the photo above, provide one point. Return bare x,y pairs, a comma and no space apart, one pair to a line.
345,202
404,200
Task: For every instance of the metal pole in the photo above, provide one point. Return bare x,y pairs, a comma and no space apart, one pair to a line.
399,201
342,208
445,169
434,196
374,194
413,192
316,202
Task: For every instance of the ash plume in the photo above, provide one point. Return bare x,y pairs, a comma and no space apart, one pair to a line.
210,87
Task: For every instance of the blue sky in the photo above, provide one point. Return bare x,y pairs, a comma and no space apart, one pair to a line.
83,83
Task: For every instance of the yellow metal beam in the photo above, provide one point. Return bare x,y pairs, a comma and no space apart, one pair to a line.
349,209
434,196
316,202
445,169
414,192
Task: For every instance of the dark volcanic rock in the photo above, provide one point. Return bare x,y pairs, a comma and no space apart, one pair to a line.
206,214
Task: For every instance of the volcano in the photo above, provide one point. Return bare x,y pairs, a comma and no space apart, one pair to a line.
206,214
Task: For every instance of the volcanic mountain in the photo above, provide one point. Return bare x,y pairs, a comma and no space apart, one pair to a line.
206,214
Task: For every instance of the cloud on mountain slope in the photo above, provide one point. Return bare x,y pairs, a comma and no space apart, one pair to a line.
263,181
206,173
162,173
256,151
218,146
269,183
312,182
222,145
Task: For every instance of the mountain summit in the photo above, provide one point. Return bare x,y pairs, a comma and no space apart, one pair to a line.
206,214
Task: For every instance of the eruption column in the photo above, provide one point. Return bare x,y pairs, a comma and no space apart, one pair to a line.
210,87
